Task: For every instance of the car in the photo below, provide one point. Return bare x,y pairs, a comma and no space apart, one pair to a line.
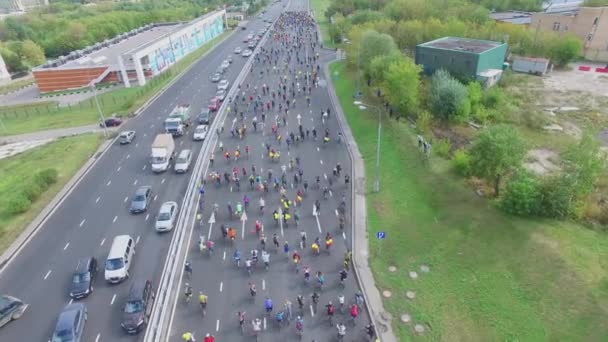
249,36
229,59
214,104
220,70
70,324
243,28
246,53
223,85
261,32
251,44
238,50
11,308
141,200
182,163
126,137
204,117
83,278
216,77
225,64
111,122
200,132
246,39
221,94
136,311
167,214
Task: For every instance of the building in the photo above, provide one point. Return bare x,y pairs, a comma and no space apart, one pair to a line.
512,17
130,57
530,65
477,59
589,24
561,6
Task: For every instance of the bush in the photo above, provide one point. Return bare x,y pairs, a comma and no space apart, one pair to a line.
32,190
558,197
18,203
448,97
442,147
522,195
46,177
461,161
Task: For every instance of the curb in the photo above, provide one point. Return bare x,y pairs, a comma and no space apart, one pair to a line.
373,301
50,208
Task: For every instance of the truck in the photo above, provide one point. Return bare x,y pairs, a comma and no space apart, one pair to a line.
163,148
178,120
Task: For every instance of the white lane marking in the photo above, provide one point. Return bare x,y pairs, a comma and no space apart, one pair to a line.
144,168
312,312
126,199
264,323
108,183
224,257
344,235
118,169
71,301
102,242
113,299
331,194
221,286
66,246
217,325
137,240
263,284
318,149
147,216
47,274
325,175
135,181
82,222
336,211
321,161
115,218
97,200
136,144
162,182
128,156
155,197
97,338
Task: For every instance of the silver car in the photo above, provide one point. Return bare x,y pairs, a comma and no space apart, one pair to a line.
221,94
70,324
166,217
11,308
182,163
223,85
216,77
246,53
225,64
238,50
126,137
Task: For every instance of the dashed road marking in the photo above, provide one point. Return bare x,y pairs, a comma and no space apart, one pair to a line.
102,241
137,240
161,182
312,312
336,211
126,199
264,323
128,156
144,168
118,169
136,144
321,161
221,286
325,175
71,301
155,197
82,222
115,218
66,246
344,235
217,325
135,182
97,338
147,217
108,183
263,284
113,299
47,274
318,149
97,200
224,257
331,194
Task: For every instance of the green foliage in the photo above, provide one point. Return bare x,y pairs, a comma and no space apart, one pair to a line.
505,5
21,55
448,97
584,162
522,195
496,150
595,3
363,16
46,177
442,147
461,162
17,203
401,85
377,69
374,44
558,197
565,50
423,121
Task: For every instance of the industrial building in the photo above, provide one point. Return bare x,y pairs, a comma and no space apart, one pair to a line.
482,60
134,56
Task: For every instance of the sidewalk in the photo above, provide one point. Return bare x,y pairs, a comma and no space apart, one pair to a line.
50,134
373,300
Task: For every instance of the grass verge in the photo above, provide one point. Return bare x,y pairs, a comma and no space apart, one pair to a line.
492,276
123,101
17,171
319,7
15,85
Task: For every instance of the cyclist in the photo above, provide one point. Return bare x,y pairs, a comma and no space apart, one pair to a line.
320,279
296,258
258,227
303,238
315,248
262,204
280,316
330,311
341,331
237,258
248,265
370,331
254,256
266,259
306,273
354,312
315,298
188,337
275,241
359,299
256,325
300,300
343,275
252,290
202,300
286,248
188,268
299,325
210,244
341,301
209,338
231,234
268,305
241,317
187,291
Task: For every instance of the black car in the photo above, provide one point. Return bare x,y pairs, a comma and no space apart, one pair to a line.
11,308
83,278
138,307
111,122
204,116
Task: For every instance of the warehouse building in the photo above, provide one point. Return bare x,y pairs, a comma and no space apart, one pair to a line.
134,56
482,60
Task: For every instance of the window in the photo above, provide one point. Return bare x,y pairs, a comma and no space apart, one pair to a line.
556,26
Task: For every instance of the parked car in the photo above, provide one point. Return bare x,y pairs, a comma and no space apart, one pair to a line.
83,278
182,163
138,307
200,132
204,117
166,217
214,104
111,122
221,94
70,324
246,53
238,50
11,308
216,77
223,85
126,137
141,199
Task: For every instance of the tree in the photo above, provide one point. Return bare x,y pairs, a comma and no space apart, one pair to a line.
522,195
374,44
448,97
11,59
401,84
565,50
31,54
496,151
584,163
379,65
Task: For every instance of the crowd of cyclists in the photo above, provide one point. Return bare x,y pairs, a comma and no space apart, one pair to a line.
291,61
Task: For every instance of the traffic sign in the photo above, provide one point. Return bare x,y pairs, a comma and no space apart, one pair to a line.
381,235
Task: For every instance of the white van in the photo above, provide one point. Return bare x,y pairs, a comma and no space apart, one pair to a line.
120,259
182,163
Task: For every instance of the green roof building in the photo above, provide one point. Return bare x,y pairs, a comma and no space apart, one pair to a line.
477,59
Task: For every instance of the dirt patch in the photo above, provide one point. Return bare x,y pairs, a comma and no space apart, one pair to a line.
541,161
457,136
572,129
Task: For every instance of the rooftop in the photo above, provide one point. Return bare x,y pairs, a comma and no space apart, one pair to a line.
513,17
462,44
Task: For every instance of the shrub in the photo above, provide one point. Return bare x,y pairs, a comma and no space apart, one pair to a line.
522,195
32,189
442,147
46,177
448,97
461,161
18,203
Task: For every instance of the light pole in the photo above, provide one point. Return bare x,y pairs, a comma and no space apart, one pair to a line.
103,119
363,106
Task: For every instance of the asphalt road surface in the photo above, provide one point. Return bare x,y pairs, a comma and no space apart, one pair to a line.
217,275
97,210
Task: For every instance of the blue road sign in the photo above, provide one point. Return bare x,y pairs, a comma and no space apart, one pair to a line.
381,235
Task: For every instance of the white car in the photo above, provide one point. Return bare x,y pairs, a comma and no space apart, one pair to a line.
223,85
182,163
225,64
166,217
246,53
238,50
221,94
200,132
216,77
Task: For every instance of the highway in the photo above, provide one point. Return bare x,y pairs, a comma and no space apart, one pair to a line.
217,275
85,223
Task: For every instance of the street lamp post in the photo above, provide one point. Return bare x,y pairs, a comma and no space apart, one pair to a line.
103,119
363,106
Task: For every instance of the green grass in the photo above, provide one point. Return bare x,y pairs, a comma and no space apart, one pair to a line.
493,277
14,85
17,170
319,7
42,116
